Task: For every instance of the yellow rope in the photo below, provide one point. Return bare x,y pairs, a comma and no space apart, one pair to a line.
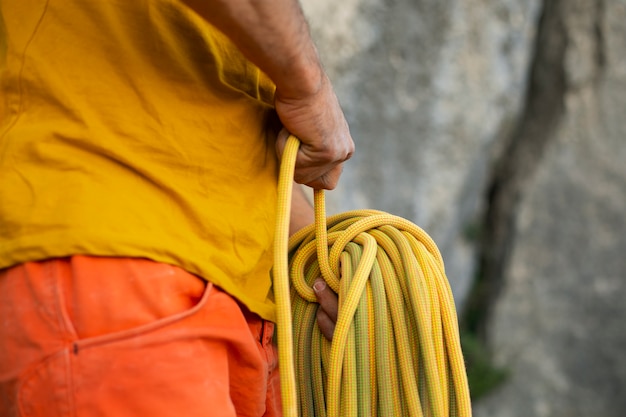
396,348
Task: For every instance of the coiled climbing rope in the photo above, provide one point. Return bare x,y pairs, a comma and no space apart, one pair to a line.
396,348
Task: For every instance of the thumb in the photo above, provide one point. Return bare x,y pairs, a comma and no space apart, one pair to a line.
281,142
327,299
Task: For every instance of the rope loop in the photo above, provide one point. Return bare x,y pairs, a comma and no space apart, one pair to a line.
396,348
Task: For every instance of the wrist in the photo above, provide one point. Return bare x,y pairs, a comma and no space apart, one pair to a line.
301,78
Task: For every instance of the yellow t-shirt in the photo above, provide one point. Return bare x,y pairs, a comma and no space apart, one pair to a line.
135,129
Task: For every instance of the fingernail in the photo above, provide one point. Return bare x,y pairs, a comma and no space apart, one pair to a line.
319,285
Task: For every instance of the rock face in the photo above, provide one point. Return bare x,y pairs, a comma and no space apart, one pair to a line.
558,323
499,126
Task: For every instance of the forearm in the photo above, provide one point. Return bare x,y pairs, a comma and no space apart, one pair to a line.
274,35
302,213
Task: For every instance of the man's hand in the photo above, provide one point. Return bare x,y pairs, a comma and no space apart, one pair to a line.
318,121
329,307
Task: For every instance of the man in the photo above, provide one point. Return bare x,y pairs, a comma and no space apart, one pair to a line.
137,200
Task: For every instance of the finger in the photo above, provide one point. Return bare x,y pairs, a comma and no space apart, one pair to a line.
327,181
311,175
327,299
326,325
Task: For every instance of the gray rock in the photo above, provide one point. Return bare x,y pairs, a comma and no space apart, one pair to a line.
429,88
558,324
438,94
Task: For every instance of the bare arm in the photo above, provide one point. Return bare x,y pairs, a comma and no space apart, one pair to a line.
274,35
302,213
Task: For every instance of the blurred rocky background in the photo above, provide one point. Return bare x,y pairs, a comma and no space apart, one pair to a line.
499,126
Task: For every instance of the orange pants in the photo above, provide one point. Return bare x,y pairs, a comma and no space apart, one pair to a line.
87,336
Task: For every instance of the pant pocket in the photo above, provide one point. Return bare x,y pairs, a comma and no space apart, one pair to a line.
102,295
147,370
187,363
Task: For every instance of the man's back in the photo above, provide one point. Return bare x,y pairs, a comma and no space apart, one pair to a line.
135,129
